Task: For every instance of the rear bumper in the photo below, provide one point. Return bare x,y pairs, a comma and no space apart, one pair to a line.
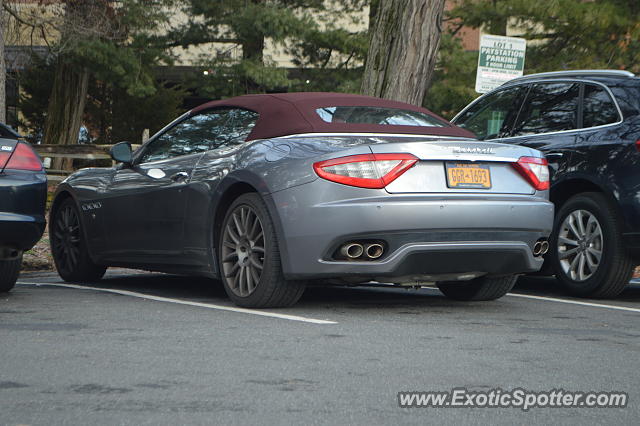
435,261
20,232
23,196
424,234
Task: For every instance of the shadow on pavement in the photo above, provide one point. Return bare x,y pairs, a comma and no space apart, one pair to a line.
212,291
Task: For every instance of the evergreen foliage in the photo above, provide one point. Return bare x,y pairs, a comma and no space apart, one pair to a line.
308,30
564,34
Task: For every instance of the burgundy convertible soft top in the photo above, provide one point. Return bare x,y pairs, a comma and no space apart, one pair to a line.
282,114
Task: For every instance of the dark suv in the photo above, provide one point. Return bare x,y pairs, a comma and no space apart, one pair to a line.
588,125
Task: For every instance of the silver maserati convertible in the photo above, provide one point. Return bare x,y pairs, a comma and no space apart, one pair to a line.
270,192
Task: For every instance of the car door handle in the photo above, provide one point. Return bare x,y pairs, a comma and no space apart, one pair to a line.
180,176
554,155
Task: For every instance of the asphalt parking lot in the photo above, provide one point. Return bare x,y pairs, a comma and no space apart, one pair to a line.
142,348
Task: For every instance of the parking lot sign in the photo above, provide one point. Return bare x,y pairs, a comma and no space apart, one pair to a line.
501,59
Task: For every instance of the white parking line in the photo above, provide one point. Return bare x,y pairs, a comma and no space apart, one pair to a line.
575,302
186,302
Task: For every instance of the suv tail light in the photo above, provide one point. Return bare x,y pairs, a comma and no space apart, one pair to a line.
366,170
535,170
22,158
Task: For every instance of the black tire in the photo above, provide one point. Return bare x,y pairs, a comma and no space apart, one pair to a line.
483,288
263,284
615,268
68,245
9,271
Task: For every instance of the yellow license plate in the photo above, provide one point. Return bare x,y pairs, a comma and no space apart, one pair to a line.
468,175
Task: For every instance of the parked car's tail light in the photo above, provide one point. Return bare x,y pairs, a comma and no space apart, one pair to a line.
22,158
535,170
4,157
365,170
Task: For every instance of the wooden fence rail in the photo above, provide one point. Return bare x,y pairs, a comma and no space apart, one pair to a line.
79,152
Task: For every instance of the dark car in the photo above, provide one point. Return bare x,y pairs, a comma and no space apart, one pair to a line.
269,191
588,125
23,194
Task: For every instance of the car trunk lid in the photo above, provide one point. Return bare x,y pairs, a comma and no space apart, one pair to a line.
460,167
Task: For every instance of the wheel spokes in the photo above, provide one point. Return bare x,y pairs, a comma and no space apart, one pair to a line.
580,222
574,228
565,254
242,250
253,230
566,240
579,245
234,236
66,238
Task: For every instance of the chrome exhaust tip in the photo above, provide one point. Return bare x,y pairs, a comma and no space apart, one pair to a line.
352,250
537,248
544,247
374,250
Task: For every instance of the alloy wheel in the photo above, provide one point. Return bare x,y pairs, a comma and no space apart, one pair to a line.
66,238
580,242
243,250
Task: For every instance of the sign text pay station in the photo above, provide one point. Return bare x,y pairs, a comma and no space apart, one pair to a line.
500,59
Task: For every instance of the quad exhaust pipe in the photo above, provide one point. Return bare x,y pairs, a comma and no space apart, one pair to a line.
367,251
374,251
540,247
352,250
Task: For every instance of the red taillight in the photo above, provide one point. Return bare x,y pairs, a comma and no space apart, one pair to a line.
638,145
23,158
366,170
4,156
535,170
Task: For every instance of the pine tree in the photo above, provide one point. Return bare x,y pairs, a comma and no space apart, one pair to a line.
103,39
304,29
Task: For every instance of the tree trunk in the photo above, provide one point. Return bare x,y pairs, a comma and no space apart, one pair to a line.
403,46
70,83
253,48
498,25
66,107
3,70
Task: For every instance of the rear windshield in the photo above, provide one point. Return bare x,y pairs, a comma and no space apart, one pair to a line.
377,115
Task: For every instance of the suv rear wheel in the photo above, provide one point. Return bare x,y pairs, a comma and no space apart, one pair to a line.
586,251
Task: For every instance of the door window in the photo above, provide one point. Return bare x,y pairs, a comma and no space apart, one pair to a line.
549,107
193,135
239,124
492,115
598,108
214,129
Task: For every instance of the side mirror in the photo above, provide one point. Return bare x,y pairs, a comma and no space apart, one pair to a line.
121,152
